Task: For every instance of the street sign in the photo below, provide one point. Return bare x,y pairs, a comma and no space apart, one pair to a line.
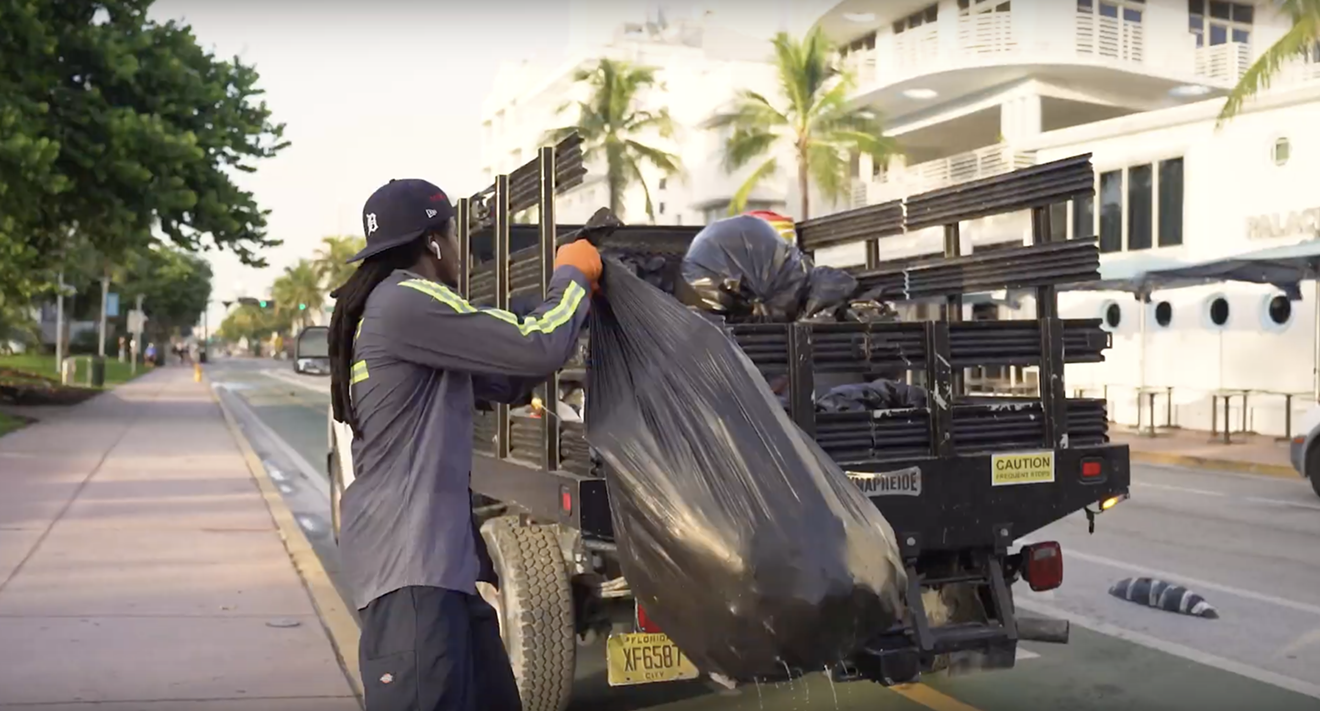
137,321
112,304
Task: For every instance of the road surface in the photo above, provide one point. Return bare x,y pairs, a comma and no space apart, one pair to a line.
1249,544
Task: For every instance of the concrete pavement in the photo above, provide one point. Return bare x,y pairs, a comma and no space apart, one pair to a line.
141,568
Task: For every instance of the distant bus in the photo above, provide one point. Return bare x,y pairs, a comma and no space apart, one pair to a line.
311,351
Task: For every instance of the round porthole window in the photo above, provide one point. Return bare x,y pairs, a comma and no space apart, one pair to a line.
1219,311
1112,314
1281,151
1164,314
1279,309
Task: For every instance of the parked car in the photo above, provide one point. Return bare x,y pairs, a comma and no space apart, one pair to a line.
1306,448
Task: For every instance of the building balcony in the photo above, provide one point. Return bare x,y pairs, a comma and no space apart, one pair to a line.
1223,62
931,175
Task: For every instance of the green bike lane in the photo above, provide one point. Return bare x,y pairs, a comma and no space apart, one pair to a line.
1094,672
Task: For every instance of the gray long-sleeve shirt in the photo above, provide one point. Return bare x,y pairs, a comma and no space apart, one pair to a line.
421,357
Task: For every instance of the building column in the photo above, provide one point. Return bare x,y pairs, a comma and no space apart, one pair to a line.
1020,117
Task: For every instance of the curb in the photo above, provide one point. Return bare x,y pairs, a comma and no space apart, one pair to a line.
336,619
1277,471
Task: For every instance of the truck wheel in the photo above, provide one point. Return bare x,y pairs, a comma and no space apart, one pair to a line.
535,606
1313,467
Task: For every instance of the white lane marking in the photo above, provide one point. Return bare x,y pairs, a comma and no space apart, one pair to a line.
1180,489
1192,582
1261,675
1281,502
1210,473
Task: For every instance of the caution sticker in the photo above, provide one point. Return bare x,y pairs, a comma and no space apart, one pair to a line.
1022,468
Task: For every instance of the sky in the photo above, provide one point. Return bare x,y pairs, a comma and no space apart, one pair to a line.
384,89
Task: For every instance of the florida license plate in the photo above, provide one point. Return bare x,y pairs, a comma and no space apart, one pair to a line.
646,658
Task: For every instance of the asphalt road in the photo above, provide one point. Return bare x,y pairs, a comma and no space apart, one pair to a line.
1249,544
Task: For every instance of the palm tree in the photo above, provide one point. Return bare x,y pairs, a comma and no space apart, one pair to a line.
815,121
613,128
331,258
1299,42
298,293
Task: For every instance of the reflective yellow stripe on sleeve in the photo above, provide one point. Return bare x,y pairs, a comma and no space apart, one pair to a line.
359,372
560,314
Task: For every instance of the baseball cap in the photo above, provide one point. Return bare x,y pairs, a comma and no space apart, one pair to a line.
399,212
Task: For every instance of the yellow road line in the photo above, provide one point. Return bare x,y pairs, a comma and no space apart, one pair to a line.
930,698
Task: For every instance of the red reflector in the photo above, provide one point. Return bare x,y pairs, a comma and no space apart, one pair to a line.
566,501
1043,567
1091,469
644,623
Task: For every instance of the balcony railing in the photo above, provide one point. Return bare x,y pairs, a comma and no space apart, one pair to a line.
935,174
916,48
1111,37
1223,62
986,33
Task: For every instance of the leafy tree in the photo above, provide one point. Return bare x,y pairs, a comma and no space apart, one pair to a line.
298,292
251,322
815,121
1300,42
331,258
175,288
613,128
112,125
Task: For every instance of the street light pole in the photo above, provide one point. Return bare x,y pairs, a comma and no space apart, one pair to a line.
59,325
105,297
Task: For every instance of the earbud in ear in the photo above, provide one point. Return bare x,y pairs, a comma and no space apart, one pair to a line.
435,247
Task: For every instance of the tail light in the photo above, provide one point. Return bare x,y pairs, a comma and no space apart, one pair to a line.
1094,471
1042,565
644,623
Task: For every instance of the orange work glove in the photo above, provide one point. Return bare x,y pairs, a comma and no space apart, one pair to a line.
583,255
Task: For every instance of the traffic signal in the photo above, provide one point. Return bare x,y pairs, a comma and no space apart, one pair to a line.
262,303
302,307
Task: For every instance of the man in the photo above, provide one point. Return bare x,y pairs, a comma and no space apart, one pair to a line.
408,357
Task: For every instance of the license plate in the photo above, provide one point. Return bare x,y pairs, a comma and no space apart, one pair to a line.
646,658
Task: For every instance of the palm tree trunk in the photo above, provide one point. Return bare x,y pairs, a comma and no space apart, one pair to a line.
804,184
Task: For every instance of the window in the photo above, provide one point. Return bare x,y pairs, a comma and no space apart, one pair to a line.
1058,222
1139,207
977,7
1281,151
1113,315
1279,309
663,182
1171,202
1083,226
662,208
1216,23
1164,314
1219,311
922,17
1111,211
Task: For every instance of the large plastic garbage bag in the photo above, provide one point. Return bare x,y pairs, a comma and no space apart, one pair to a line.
737,534
828,292
741,267
882,394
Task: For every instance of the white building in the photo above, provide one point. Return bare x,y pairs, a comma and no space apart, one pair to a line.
700,65
973,88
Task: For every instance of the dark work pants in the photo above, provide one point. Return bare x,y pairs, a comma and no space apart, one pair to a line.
431,649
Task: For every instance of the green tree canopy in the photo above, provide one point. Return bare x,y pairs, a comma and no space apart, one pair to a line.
112,126
175,287
613,128
298,293
1299,42
813,119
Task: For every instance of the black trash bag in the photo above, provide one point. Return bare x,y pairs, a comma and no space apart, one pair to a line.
743,268
876,395
737,534
828,292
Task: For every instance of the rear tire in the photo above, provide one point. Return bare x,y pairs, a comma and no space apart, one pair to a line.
1313,467
535,606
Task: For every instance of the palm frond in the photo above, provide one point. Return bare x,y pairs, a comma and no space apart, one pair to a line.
763,171
1294,44
746,144
828,165
635,172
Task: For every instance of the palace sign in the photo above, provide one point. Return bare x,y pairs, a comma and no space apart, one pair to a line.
1298,223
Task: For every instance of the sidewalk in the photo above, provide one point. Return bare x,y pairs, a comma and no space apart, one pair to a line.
1248,453
140,568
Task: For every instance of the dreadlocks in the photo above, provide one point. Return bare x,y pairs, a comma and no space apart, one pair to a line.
350,301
